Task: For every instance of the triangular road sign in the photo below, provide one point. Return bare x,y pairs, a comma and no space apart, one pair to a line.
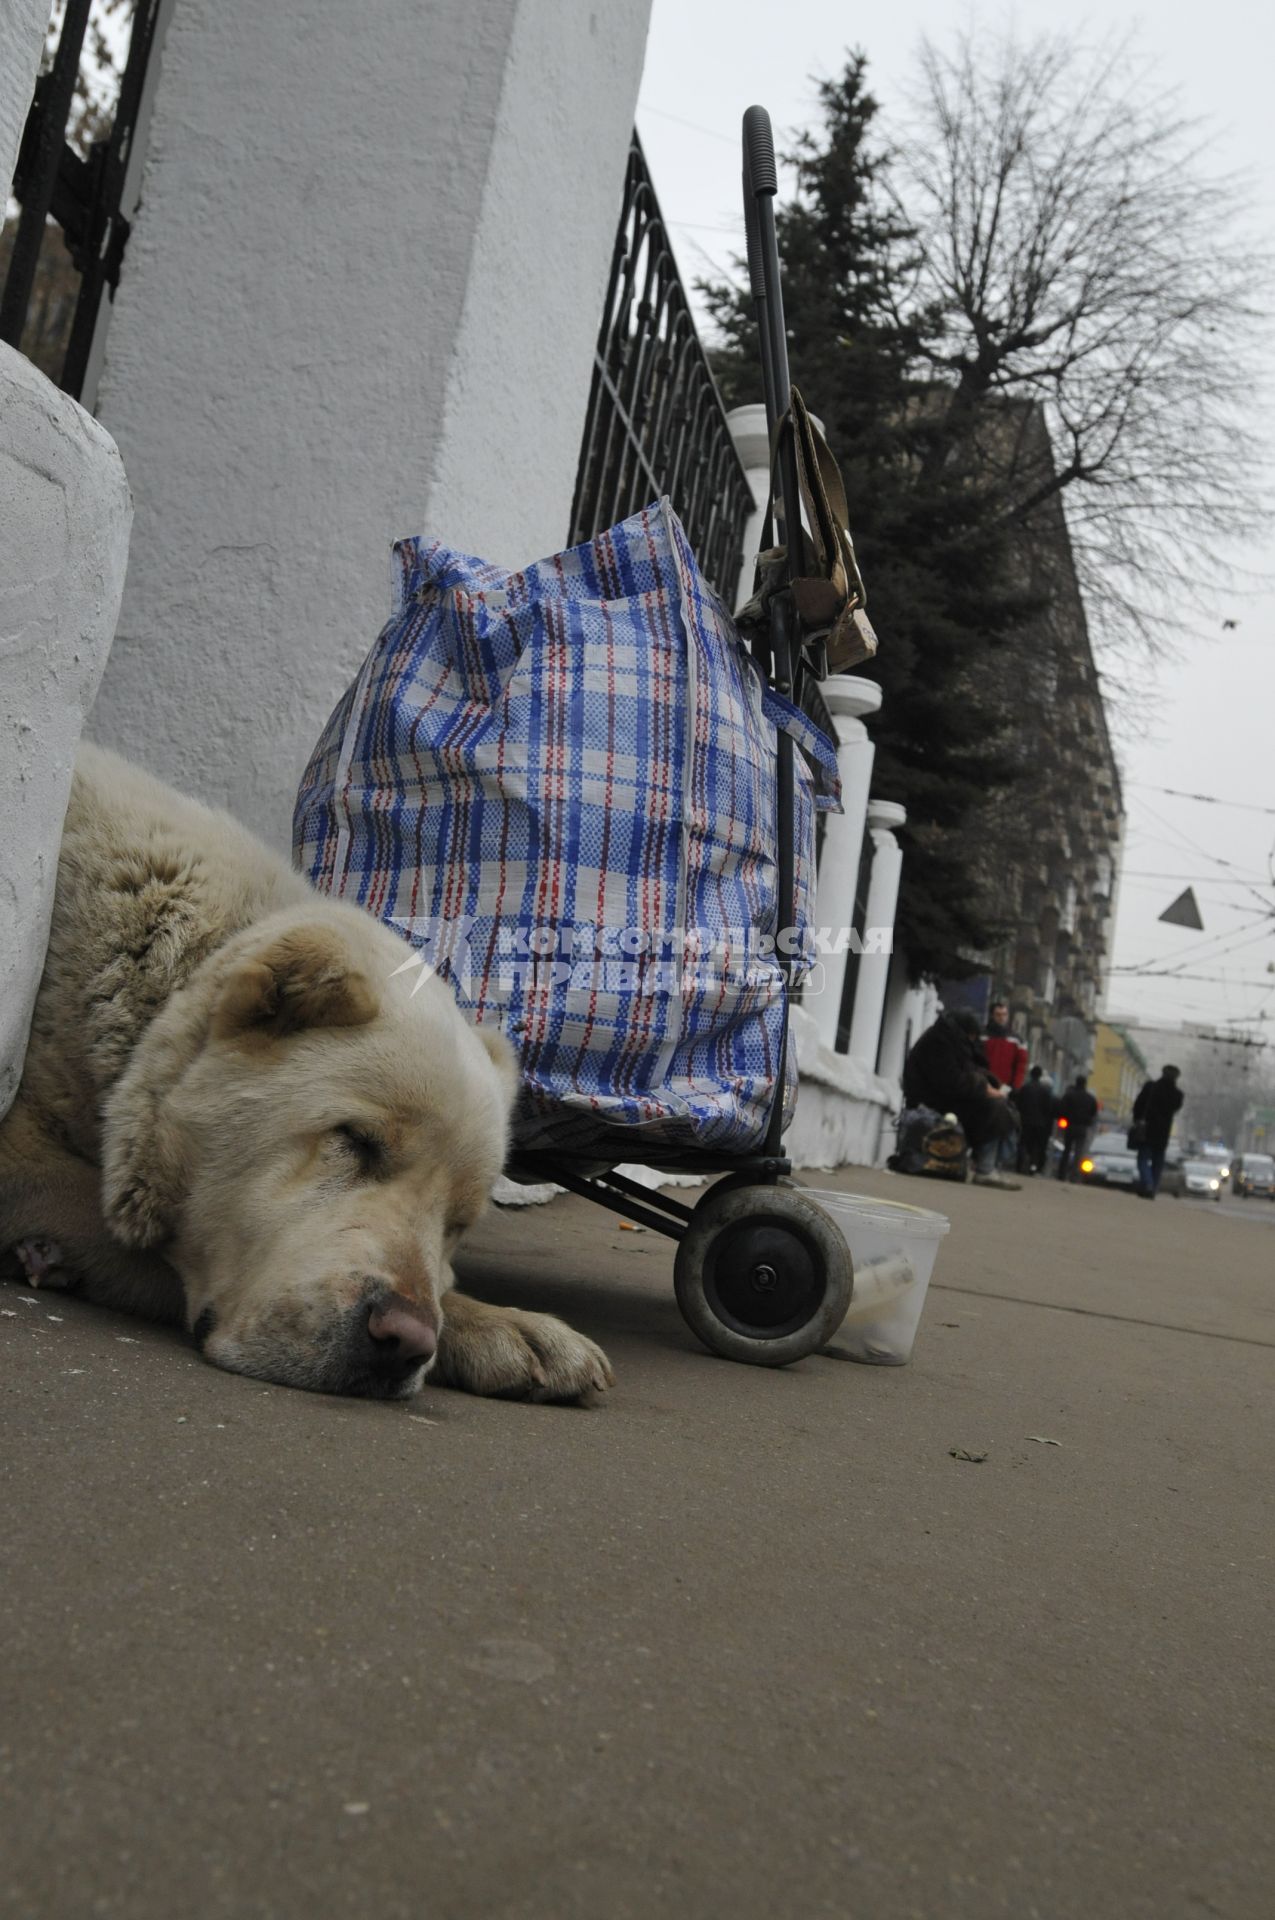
1184,912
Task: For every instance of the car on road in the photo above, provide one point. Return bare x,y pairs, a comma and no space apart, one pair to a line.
1253,1176
1203,1179
1109,1161
1218,1157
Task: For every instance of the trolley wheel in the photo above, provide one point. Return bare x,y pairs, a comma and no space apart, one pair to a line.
762,1274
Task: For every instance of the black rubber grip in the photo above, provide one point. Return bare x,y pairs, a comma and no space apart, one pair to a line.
759,151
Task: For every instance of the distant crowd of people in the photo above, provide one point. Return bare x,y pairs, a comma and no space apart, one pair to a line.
1010,1112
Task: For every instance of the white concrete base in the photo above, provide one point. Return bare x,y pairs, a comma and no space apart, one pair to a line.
842,1110
65,514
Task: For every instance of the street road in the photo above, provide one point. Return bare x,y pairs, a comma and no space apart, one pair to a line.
736,1643
1262,1211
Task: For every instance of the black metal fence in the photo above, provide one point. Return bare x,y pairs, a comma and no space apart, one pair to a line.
656,423
55,283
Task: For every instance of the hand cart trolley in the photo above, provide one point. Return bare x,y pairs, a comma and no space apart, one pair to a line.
762,1275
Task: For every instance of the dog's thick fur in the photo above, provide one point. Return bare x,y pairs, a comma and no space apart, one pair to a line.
238,1111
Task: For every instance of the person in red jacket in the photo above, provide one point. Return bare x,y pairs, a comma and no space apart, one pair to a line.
1006,1055
1007,1061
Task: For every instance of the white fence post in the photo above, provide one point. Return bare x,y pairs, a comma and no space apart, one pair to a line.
874,962
848,698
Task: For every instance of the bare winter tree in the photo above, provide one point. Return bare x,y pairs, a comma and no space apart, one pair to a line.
1079,254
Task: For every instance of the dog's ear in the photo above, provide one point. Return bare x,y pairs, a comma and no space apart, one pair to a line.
503,1058
144,1171
304,979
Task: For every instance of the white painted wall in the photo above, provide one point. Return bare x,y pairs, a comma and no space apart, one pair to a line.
360,300
22,24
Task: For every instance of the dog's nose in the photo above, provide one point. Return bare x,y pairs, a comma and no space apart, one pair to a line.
402,1336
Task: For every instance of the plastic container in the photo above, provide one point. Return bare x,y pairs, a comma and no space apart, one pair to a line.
894,1248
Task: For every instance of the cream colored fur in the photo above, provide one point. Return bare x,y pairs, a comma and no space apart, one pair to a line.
236,1112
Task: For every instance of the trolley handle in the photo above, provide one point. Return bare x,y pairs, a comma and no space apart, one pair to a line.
761,185
759,153
757,291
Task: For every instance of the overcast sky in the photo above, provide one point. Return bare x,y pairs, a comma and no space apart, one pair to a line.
1213,713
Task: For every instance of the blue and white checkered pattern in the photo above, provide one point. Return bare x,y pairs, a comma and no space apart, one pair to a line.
560,784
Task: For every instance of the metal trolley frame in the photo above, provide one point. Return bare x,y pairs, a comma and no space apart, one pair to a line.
762,1274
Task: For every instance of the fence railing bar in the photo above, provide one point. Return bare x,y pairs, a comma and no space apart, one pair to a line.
104,233
39,169
655,423
622,416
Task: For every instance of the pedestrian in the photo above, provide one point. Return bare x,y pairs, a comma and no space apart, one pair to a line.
1153,1115
947,1070
1036,1109
1077,1111
1006,1054
1007,1058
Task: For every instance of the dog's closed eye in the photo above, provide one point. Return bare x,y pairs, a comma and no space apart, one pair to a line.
369,1152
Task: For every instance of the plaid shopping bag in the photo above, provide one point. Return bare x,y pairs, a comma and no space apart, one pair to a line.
559,784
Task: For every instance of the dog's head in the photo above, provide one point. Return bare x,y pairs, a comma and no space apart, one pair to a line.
307,1133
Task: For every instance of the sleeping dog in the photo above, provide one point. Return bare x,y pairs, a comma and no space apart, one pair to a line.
238,1110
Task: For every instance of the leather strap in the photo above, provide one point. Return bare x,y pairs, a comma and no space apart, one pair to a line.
830,601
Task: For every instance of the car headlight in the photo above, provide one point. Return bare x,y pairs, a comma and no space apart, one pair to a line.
1086,1166
1214,1184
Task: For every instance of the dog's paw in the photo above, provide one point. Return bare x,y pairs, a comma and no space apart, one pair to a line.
507,1354
39,1262
133,1212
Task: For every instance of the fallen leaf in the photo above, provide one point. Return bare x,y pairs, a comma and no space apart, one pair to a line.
1044,1440
963,1453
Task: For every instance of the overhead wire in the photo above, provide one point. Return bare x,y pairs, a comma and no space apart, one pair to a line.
696,126
1207,799
1194,949
1168,973
1215,858
1190,879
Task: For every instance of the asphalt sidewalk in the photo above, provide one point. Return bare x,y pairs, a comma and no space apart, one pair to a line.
735,1643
